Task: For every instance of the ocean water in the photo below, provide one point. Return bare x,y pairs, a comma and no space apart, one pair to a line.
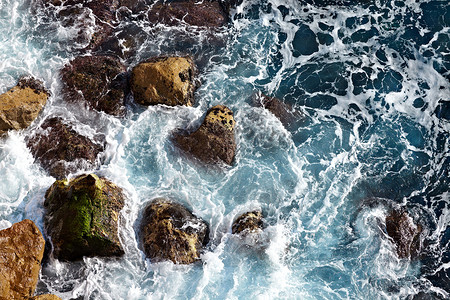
373,80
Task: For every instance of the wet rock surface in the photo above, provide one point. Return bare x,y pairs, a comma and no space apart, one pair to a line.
98,81
248,222
21,252
284,112
196,13
82,217
169,231
61,150
168,80
404,233
45,297
214,140
22,104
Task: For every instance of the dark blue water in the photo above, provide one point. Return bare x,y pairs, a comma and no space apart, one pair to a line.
372,78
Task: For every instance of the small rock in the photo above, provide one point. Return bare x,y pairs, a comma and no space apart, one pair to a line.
284,112
214,140
81,217
164,80
171,232
45,297
21,105
248,222
61,150
196,13
99,81
21,252
404,233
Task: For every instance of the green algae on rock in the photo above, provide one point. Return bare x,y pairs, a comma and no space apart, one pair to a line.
171,232
22,104
214,140
82,217
165,80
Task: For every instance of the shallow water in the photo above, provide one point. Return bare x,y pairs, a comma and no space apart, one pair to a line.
373,81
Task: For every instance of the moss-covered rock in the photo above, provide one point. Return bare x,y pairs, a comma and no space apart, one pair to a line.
197,13
81,217
21,251
61,150
171,232
98,81
404,233
21,105
168,80
248,222
214,140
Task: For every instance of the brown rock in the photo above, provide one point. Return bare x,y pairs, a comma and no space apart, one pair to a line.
170,232
21,105
45,297
197,13
21,252
404,233
99,81
248,222
81,217
61,150
164,80
284,112
214,139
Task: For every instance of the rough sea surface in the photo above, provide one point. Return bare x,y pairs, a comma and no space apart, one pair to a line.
373,80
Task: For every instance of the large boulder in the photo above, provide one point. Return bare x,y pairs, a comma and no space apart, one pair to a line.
171,232
249,222
284,112
81,217
404,233
45,297
21,105
168,80
99,81
196,13
214,140
61,150
21,252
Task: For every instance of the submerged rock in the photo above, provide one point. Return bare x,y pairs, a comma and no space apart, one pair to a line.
81,217
165,80
61,150
99,81
197,13
171,232
248,222
21,252
214,140
404,233
22,104
284,112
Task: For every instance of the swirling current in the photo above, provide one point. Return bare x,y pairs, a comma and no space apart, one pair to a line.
372,79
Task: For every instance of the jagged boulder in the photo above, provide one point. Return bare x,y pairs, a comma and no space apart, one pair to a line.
81,217
168,80
284,112
61,150
21,251
214,140
196,13
249,222
404,233
98,81
169,231
21,105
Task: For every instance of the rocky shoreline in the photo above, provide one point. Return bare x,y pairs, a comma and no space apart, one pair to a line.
82,214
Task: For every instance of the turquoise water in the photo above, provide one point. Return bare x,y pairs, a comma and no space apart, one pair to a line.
373,81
